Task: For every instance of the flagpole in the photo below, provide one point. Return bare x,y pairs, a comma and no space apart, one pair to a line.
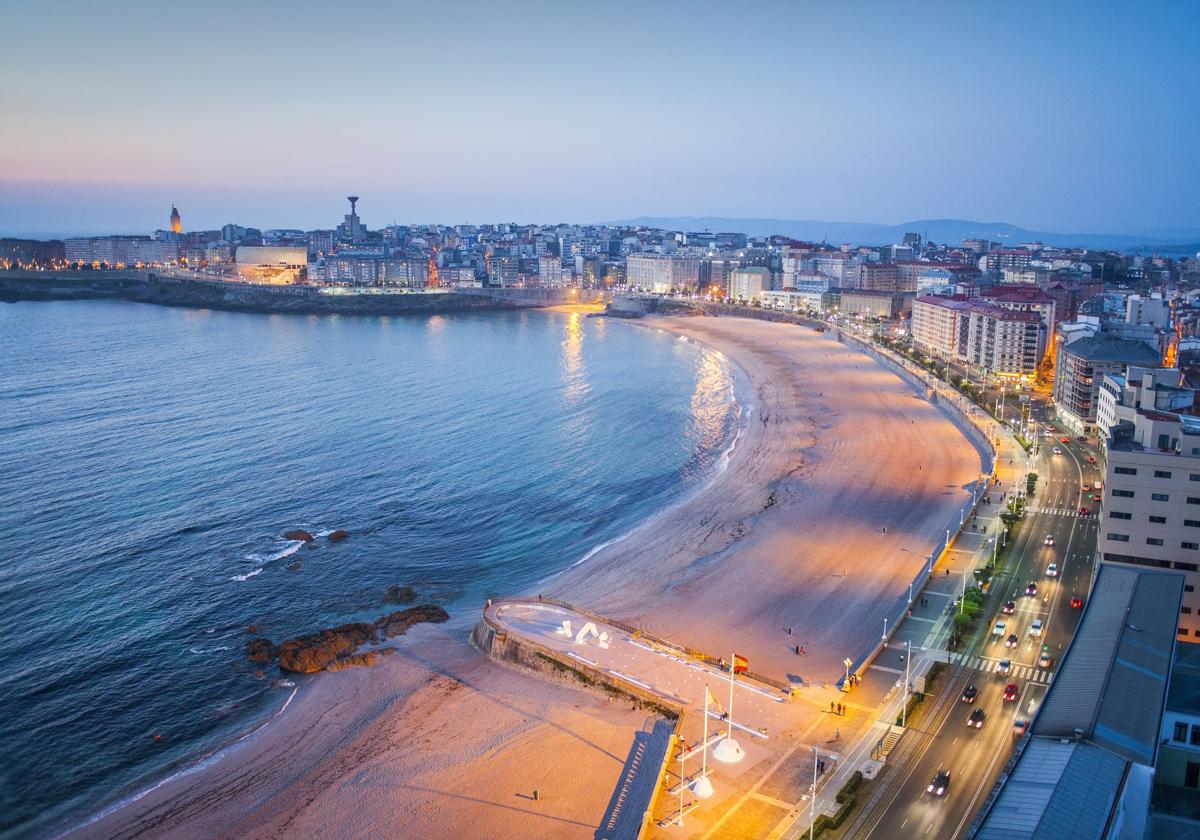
732,667
704,761
682,777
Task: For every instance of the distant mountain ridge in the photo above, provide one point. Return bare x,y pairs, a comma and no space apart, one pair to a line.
949,231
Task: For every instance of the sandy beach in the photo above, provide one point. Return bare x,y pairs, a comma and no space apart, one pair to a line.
831,501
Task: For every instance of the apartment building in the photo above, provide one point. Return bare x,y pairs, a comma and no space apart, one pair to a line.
662,273
748,283
1151,501
1003,342
1079,369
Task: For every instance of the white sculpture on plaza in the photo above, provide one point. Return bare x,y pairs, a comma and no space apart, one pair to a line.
565,630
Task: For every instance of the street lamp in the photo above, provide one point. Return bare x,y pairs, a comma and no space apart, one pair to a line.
907,663
847,662
812,806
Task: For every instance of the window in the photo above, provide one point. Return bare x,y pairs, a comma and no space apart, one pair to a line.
1190,546
1192,523
1162,473
1193,500
1119,537
1194,476
1124,494
1159,520
1119,514
1195,735
1191,776
1180,731
1186,610
1153,541
1187,587
1185,567
1125,470
1159,497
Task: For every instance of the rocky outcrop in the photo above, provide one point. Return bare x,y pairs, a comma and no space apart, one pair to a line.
338,535
337,647
399,595
261,650
397,623
313,652
299,534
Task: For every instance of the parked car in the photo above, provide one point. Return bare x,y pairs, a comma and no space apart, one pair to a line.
976,719
1052,570
1076,602
1010,693
940,783
969,694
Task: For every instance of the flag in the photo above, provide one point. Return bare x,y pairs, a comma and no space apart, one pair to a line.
710,700
740,664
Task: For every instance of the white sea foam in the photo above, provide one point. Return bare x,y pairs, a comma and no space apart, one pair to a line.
248,575
201,651
292,547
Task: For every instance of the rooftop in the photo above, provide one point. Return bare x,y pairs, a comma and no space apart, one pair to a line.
1184,693
1102,347
1113,682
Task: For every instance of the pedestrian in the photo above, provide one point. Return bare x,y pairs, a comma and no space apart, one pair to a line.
797,650
837,734
843,572
803,650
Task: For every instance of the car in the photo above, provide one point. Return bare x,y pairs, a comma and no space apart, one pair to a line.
976,719
969,694
1003,666
940,783
1009,607
1044,661
1035,629
1058,450
1096,497
1049,540
1076,602
1087,488
1019,726
1081,439
1010,693
1031,589
1052,570
1084,511
1012,641
1065,439
1091,459
998,630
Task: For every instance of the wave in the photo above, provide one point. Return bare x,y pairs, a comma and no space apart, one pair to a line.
200,651
200,764
292,547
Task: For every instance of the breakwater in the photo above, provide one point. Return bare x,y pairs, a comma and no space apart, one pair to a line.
191,291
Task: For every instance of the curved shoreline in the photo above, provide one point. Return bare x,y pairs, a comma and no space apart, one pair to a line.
740,404
716,565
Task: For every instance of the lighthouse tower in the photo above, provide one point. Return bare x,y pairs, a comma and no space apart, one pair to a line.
176,222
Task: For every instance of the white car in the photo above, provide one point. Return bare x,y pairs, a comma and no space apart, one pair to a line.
998,630
1058,450
1049,540
1052,570
1035,629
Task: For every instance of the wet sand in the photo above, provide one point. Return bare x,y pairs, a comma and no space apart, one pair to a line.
438,741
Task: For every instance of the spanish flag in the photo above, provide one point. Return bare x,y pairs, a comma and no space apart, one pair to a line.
740,664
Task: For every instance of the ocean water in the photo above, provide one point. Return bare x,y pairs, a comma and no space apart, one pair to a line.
152,458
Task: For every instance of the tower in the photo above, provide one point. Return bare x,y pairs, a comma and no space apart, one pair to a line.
351,228
176,222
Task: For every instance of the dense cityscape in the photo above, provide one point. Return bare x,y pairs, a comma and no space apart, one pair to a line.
791,431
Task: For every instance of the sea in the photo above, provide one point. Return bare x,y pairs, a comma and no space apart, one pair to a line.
152,458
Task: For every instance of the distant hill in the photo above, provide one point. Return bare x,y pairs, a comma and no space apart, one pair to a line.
951,231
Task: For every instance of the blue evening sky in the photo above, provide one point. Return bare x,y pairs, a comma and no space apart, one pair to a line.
1068,116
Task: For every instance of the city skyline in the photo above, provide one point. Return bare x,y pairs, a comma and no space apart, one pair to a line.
1069,119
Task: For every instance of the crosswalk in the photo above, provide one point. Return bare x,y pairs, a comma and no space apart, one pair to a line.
1055,511
1025,672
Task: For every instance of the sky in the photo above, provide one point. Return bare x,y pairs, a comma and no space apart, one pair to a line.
1067,116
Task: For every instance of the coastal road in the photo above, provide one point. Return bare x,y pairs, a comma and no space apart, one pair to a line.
942,740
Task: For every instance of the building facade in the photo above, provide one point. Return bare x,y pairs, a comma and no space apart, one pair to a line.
1079,370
